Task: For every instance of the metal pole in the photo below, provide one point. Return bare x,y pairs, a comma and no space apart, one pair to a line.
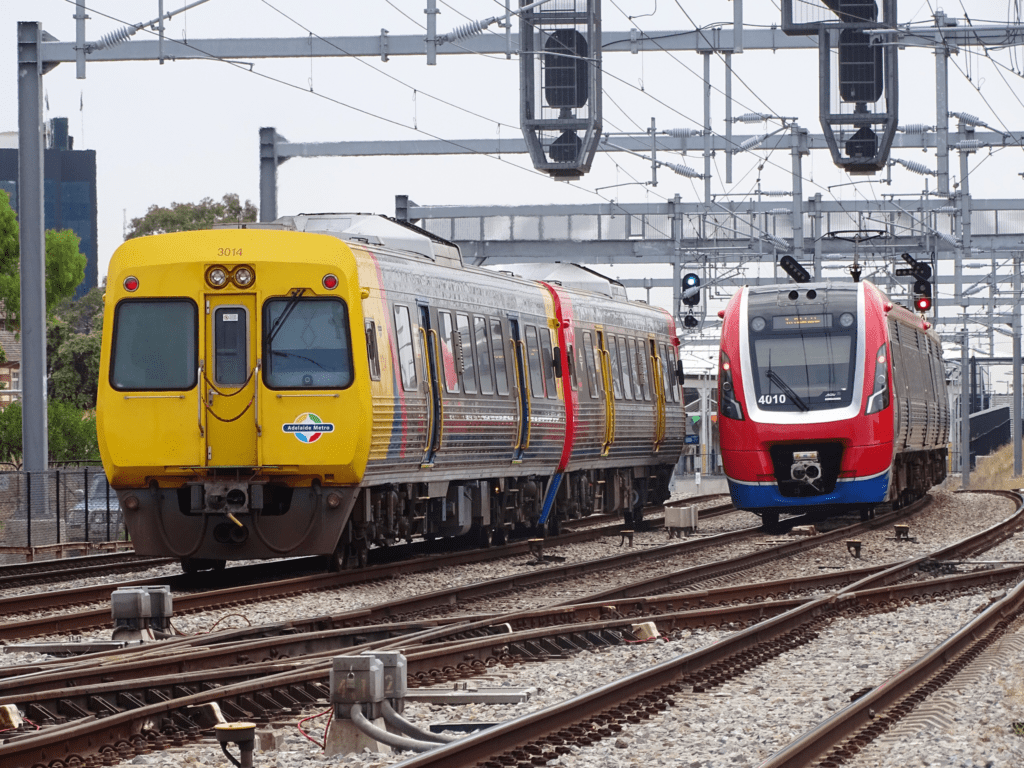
707,128
965,410
942,113
80,39
32,241
965,225
268,174
799,150
728,118
1016,389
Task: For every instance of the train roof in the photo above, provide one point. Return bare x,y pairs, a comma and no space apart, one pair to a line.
371,229
569,275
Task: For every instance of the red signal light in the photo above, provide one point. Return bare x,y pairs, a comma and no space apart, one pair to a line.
922,303
330,282
131,284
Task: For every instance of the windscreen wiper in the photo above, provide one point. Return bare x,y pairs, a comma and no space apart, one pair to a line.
778,381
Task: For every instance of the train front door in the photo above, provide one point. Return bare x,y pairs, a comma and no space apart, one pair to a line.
432,380
229,381
609,394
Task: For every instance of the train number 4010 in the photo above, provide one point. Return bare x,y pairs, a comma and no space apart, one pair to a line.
771,399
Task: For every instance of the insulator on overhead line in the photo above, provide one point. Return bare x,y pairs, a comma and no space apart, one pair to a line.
682,133
969,145
752,117
778,242
781,211
916,167
753,141
775,193
947,238
684,170
467,30
967,117
916,128
116,37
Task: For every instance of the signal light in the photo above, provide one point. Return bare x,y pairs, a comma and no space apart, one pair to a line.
794,269
691,289
330,282
690,321
131,284
923,303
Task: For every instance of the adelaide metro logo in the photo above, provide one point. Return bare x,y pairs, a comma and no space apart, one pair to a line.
307,427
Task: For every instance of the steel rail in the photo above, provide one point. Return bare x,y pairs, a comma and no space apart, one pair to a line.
794,626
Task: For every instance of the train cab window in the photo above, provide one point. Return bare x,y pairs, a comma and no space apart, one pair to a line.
468,355
549,363
306,343
449,349
230,346
372,354
627,382
498,348
590,364
406,356
483,356
613,357
145,356
534,362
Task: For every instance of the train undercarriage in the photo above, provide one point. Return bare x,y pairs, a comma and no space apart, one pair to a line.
493,510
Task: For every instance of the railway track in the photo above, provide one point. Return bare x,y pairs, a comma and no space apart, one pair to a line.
219,667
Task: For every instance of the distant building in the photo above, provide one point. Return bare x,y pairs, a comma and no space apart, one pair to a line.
10,369
69,189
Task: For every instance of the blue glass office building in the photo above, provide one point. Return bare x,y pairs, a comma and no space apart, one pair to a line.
69,192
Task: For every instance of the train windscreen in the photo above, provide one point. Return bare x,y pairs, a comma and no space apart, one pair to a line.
306,344
154,345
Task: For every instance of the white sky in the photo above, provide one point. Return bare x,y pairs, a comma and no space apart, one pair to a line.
184,131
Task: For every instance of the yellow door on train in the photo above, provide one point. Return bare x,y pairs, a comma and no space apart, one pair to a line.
230,379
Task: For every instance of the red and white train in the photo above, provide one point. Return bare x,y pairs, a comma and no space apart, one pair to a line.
832,398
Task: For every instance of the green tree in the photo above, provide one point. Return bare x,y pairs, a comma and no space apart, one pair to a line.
65,265
73,363
183,217
71,434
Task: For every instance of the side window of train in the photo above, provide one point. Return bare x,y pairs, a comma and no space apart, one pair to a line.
668,368
372,355
533,361
627,381
549,363
591,366
468,356
643,381
498,348
406,358
613,357
483,356
571,357
449,339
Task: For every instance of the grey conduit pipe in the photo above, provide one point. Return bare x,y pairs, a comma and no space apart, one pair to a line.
398,722
391,739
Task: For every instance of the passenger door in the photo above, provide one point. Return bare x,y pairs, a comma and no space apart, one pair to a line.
522,391
432,378
229,381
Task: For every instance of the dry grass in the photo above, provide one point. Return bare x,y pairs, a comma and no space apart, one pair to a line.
995,471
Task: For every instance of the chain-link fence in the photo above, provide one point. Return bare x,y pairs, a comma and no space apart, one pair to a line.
58,512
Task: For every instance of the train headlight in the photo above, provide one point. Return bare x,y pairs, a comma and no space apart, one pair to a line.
217,277
879,399
131,503
333,500
243,277
758,324
728,405
846,319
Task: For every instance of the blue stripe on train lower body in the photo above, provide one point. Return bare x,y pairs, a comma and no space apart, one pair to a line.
859,491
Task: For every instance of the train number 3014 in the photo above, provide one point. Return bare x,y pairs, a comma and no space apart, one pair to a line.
771,399
222,252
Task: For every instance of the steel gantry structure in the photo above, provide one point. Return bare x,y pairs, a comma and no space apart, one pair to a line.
730,242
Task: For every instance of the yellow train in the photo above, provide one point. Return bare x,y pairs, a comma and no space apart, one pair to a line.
326,383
